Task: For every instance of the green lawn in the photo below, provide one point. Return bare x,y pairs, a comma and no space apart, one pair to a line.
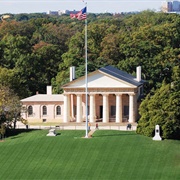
109,154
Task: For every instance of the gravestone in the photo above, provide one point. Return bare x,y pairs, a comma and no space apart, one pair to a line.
51,132
157,136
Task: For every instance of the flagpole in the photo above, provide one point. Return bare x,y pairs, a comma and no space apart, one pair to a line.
86,78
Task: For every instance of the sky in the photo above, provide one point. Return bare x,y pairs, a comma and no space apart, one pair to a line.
93,6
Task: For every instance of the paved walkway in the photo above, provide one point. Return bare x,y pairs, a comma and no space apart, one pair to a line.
91,133
80,126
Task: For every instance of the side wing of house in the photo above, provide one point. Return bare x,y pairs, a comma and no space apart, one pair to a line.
43,108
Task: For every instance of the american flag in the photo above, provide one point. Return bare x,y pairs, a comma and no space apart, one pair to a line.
80,15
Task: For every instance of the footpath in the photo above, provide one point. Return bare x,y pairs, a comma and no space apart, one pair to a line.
80,126
91,133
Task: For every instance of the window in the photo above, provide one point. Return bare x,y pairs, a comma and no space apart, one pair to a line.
58,110
30,111
126,110
44,108
113,110
74,109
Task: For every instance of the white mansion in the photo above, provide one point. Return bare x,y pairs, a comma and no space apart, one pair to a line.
113,96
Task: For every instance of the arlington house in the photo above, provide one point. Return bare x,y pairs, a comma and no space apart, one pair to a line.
113,97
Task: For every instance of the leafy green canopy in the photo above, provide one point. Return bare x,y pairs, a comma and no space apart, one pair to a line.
148,39
41,48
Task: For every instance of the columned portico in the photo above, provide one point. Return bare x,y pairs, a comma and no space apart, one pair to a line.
118,108
131,108
92,108
105,108
79,108
66,108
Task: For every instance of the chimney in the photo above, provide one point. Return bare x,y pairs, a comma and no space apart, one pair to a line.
49,90
37,92
72,73
138,73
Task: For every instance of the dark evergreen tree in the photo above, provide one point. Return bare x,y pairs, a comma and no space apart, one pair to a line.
162,108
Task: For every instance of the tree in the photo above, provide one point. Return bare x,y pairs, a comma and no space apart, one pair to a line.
17,28
162,108
13,48
8,78
15,108
10,107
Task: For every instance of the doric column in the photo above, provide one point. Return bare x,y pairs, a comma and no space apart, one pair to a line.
84,110
92,108
79,108
105,108
66,108
118,108
131,108
72,106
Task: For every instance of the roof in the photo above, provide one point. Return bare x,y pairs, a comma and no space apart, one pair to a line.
44,98
121,75
117,78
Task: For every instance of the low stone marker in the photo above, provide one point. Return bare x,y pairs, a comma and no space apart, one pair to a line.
157,136
51,132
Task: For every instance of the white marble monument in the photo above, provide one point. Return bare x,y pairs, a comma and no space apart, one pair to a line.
157,136
51,132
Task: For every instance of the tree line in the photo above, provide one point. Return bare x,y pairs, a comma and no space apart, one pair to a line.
37,50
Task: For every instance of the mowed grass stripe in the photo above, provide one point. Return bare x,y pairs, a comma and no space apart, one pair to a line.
108,155
146,165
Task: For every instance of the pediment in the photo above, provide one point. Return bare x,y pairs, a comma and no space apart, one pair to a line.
98,79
